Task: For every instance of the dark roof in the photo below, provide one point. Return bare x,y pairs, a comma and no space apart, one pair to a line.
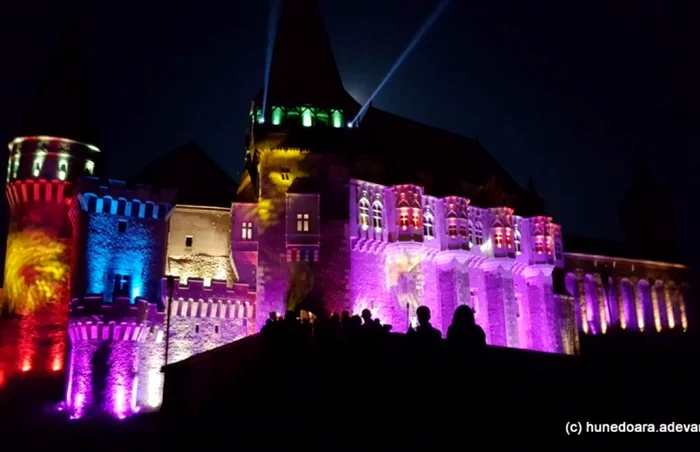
602,247
63,105
197,178
303,68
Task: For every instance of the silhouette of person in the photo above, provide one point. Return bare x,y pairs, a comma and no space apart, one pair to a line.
464,332
425,330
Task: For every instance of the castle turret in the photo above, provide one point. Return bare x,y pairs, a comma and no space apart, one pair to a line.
117,350
44,167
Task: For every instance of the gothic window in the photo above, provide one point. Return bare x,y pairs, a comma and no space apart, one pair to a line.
509,239
518,248
247,230
403,219
415,221
428,229
277,115
302,222
38,163
377,215
307,118
499,238
470,230
364,213
188,241
452,231
337,119
479,233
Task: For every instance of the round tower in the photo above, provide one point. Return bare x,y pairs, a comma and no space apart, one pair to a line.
105,357
42,173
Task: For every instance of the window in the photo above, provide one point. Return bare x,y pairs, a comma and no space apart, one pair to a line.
403,220
277,116
377,215
89,167
285,173
463,232
509,239
307,118
364,213
415,221
518,303
196,329
247,231
38,163
122,285
428,227
470,231
479,234
518,248
539,244
216,329
452,231
302,222
337,119
499,238
188,241
121,227
15,166
62,169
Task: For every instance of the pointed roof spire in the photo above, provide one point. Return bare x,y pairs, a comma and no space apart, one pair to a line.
63,105
303,68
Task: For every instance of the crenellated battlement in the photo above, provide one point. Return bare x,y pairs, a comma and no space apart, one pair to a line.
195,299
116,189
38,190
112,331
92,319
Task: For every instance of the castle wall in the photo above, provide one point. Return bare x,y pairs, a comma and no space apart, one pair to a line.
124,246
203,317
199,244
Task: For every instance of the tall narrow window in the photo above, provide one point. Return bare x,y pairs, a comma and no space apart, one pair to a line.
15,166
498,238
188,241
62,169
38,163
89,167
403,220
337,119
307,118
452,231
121,227
479,233
428,227
539,244
247,230
558,248
474,299
302,222
364,213
285,173
377,215
277,116
415,220
518,248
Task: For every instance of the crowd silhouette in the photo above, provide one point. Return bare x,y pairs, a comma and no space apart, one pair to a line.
463,335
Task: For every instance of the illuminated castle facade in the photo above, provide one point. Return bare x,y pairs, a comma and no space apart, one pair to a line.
330,214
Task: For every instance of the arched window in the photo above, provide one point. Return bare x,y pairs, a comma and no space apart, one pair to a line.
277,116
463,232
428,230
518,248
364,213
307,118
62,169
337,119
377,215
479,233
415,220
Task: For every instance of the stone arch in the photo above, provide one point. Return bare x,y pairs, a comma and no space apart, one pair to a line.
590,288
660,291
646,305
629,304
611,298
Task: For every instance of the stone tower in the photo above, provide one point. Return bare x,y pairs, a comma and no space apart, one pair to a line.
45,164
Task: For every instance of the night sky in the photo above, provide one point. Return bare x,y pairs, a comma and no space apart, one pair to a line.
564,91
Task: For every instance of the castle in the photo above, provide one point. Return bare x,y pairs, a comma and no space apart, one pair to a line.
122,278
